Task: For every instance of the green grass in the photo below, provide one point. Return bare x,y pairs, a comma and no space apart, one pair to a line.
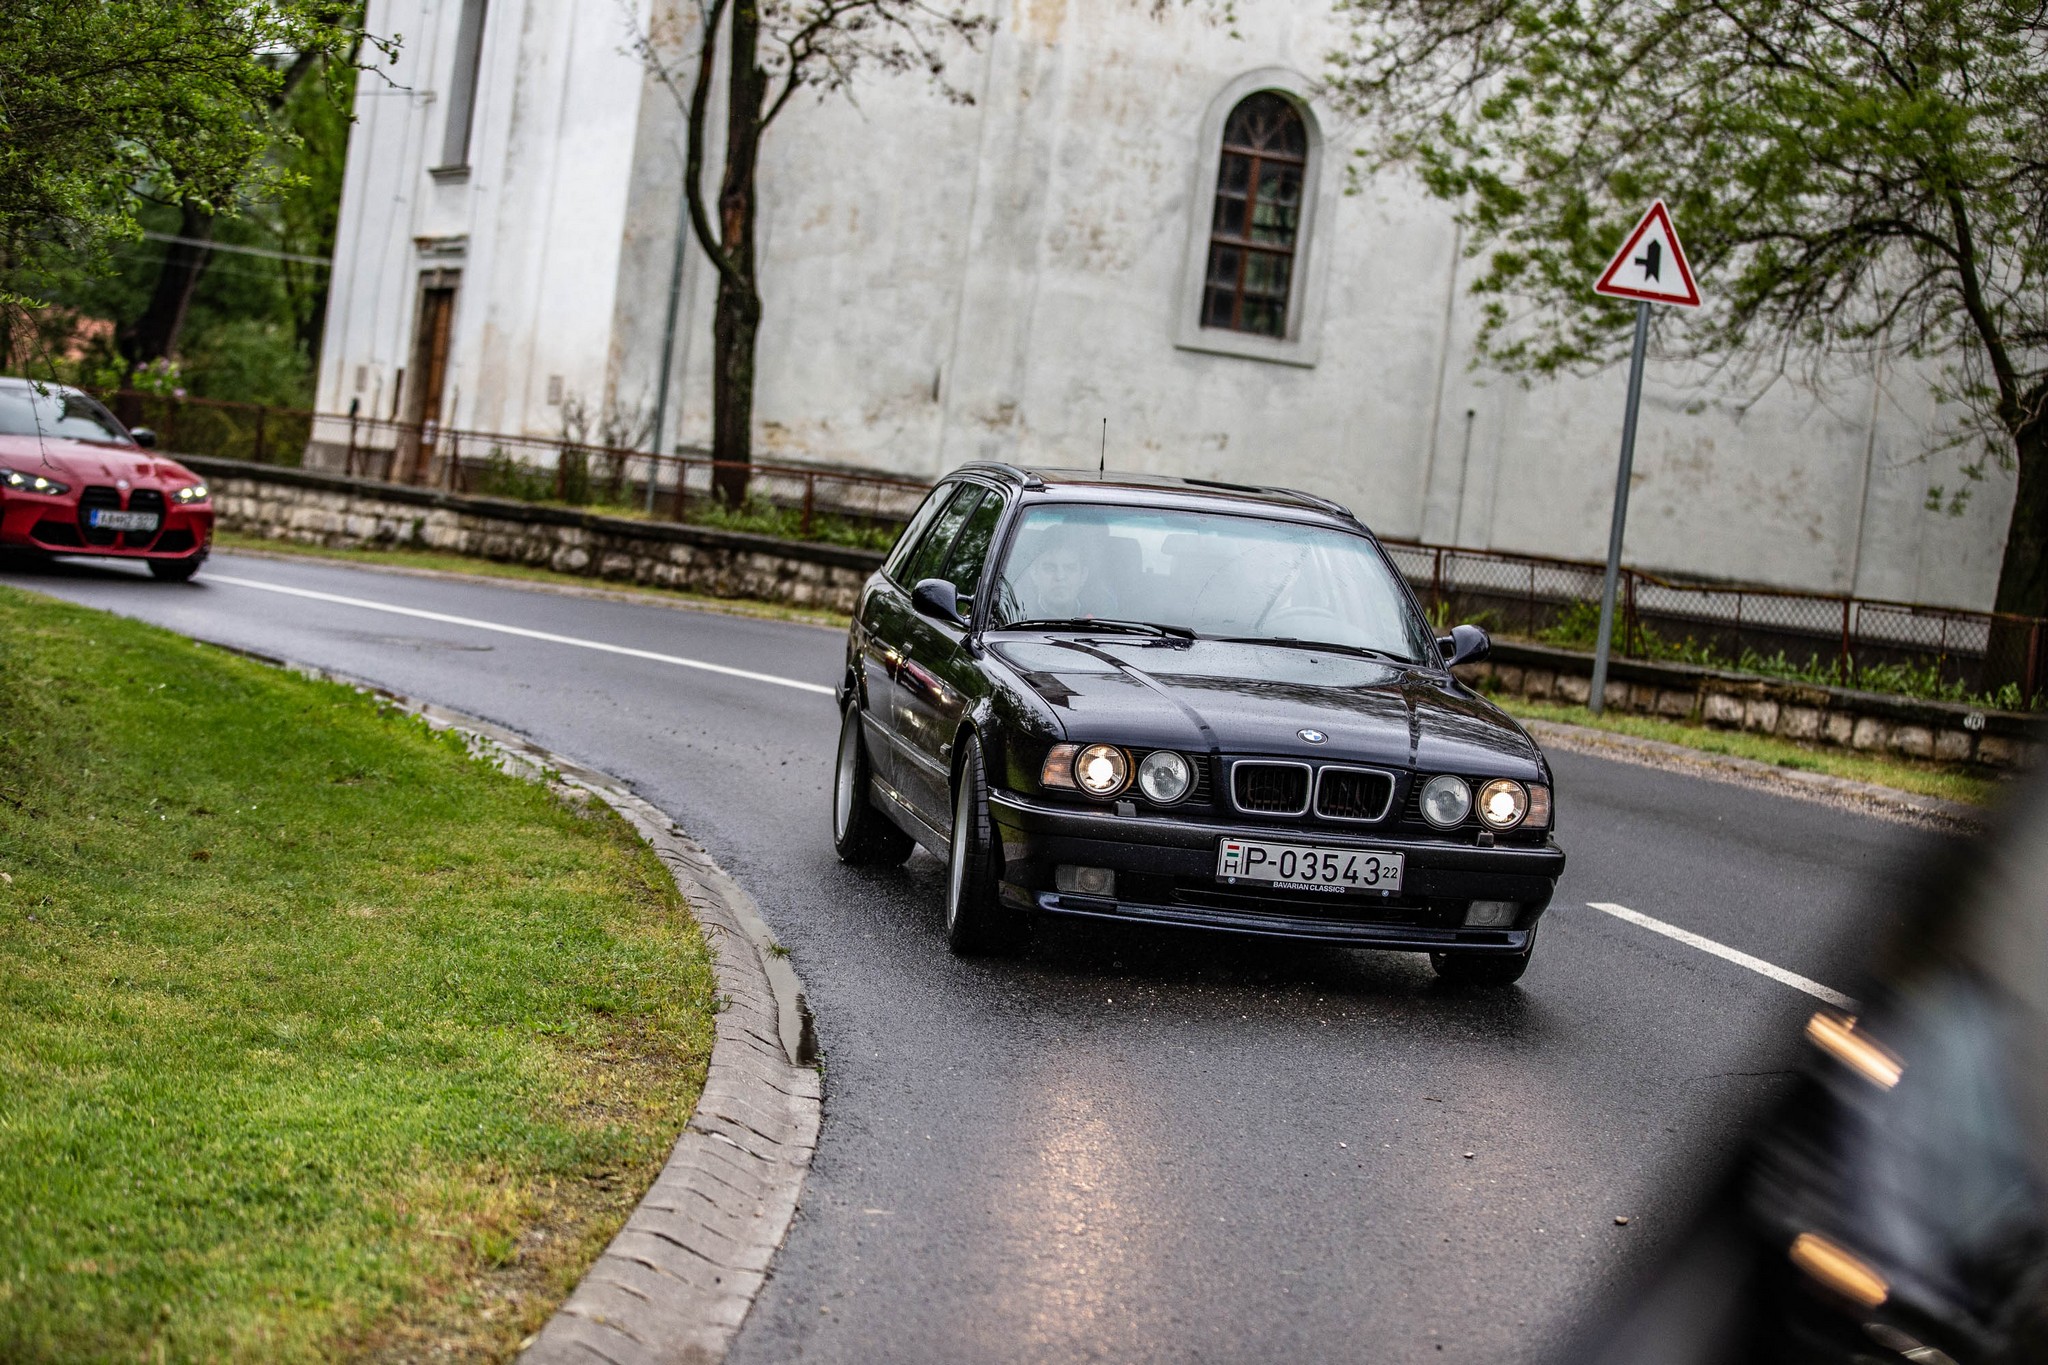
319,1038
444,562
1909,775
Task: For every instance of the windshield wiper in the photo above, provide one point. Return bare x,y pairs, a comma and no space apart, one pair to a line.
1087,623
1296,642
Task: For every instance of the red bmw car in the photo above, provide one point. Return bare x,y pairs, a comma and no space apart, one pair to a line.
74,481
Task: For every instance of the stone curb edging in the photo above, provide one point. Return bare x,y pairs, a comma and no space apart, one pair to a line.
1888,803
677,1281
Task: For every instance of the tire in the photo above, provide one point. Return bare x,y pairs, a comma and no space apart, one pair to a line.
175,570
1489,970
977,921
861,835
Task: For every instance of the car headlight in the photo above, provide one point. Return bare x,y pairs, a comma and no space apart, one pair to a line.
1165,776
1098,769
1503,803
1102,769
189,494
31,483
1446,800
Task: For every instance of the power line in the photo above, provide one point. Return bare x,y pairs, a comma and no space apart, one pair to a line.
240,250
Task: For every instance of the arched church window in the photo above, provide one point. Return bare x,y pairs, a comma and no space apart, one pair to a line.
1257,217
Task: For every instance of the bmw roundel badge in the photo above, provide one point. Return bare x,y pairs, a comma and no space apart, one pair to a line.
1313,736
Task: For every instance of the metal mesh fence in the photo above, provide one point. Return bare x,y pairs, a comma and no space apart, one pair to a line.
1818,637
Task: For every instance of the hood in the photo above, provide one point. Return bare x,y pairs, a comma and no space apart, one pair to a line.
86,462
1256,699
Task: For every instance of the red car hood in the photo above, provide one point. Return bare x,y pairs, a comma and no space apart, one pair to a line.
80,462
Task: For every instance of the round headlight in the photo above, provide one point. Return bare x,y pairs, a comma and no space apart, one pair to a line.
1165,776
1101,769
1502,803
1446,801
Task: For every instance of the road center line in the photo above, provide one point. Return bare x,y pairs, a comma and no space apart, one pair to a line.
1722,950
521,631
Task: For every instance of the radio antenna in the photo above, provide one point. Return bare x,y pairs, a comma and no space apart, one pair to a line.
1102,462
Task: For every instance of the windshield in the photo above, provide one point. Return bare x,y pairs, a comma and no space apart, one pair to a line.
58,413
1221,576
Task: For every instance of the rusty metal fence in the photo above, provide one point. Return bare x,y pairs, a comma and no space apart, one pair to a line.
1838,636
790,499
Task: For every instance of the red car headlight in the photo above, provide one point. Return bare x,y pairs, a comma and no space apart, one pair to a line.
189,494
16,481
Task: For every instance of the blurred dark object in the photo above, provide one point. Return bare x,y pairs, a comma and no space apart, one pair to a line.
1895,1207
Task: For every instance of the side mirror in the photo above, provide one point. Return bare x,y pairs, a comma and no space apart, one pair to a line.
938,599
1464,645
144,437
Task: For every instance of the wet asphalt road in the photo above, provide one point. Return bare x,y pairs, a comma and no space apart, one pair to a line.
1142,1147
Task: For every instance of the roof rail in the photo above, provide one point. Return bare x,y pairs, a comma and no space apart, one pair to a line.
1023,476
1336,509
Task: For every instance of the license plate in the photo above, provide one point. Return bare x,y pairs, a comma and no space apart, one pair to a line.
1308,867
106,520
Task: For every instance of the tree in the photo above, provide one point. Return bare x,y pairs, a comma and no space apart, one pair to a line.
106,105
1853,178
774,50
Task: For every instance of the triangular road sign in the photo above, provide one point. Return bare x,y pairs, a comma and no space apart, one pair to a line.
1651,265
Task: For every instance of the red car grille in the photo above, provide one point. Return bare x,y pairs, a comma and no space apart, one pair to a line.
144,500
98,495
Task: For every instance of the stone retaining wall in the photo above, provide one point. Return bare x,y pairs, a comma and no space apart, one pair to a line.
334,510
339,512
1868,721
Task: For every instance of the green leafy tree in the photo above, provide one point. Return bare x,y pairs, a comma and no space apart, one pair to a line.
108,107
1852,178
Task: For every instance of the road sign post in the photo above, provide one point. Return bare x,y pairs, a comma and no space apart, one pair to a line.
1636,272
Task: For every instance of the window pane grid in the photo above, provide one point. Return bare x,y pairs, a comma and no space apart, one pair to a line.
1257,217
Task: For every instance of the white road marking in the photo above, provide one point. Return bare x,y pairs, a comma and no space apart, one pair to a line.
521,631
1722,950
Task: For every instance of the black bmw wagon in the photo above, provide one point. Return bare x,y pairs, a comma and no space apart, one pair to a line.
1175,702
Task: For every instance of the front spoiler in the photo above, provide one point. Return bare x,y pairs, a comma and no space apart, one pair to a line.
1301,928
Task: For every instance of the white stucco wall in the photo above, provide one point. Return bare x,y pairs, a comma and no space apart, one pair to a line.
945,283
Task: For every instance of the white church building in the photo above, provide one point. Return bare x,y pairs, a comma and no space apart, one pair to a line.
1143,216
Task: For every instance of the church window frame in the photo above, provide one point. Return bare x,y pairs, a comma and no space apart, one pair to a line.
1297,341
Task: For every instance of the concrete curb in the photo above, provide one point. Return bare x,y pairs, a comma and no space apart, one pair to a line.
1885,802
679,1278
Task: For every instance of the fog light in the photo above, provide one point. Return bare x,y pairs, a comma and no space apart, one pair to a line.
1085,881
1492,914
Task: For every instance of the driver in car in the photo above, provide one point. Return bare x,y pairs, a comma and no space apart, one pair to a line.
1059,586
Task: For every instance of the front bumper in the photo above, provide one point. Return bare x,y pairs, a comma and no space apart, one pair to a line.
1166,875
53,526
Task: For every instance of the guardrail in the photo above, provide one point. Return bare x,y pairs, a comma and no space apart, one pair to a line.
1540,597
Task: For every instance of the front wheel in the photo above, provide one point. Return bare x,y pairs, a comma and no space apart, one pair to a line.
1483,969
976,920
861,835
175,570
